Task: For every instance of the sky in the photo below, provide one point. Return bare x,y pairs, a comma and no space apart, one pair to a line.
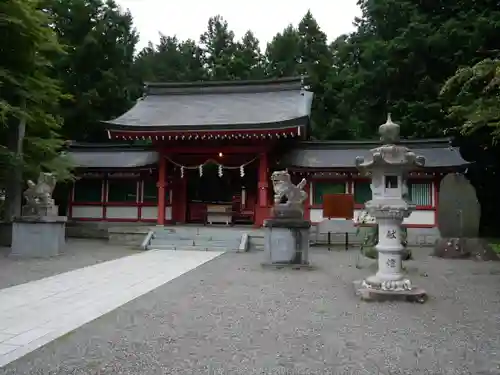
189,18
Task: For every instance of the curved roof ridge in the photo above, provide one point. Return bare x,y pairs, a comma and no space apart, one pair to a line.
224,87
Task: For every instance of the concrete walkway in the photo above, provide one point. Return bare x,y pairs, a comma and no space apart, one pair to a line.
35,313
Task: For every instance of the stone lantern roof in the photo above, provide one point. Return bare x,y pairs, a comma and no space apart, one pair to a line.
391,153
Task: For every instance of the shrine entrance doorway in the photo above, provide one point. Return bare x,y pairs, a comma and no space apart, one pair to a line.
220,191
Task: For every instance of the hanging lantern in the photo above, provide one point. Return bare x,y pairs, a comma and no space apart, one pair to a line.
220,170
200,168
182,171
242,171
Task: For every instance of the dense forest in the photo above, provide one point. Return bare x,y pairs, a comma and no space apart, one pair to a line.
67,64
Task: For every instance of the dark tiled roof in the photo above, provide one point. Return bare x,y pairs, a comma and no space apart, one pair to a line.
218,105
438,153
112,158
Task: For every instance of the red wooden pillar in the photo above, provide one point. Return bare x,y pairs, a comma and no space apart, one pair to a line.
262,209
183,199
179,199
162,177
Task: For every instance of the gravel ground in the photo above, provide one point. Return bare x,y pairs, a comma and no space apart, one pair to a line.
78,254
230,316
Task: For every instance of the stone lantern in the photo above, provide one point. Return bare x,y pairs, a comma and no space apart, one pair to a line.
388,167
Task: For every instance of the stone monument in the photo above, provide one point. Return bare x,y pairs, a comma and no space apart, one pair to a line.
286,236
459,214
39,231
388,166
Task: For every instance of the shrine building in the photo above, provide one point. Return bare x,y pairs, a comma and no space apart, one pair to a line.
204,152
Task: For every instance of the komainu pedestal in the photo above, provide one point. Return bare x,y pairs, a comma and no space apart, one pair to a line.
286,234
38,237
39,232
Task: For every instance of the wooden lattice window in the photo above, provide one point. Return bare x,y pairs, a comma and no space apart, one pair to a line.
420,193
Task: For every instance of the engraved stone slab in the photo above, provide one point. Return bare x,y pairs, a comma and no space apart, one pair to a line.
459,211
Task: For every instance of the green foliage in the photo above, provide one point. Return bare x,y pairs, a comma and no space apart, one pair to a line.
495,247
283,54
99,41
249,61
28,93
474,97
399,57
218,48
171,60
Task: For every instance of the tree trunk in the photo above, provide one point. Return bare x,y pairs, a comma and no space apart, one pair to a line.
14,184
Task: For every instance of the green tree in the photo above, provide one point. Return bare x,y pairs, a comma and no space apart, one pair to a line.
96,70
283,54
401,54
249,61
474,97
219,49
29,99
170,61
316,62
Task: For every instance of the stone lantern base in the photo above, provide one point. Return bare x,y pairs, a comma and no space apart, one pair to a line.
369,293
389,283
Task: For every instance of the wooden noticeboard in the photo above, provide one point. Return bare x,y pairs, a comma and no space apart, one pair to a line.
339,206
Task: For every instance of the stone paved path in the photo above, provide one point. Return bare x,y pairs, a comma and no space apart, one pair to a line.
38,312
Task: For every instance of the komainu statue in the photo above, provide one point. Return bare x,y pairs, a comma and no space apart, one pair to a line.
285,189
39,196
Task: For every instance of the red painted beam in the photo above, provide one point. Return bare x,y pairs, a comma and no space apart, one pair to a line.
216,150
286,132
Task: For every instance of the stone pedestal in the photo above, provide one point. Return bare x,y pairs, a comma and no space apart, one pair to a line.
390,281
286,241
38,236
